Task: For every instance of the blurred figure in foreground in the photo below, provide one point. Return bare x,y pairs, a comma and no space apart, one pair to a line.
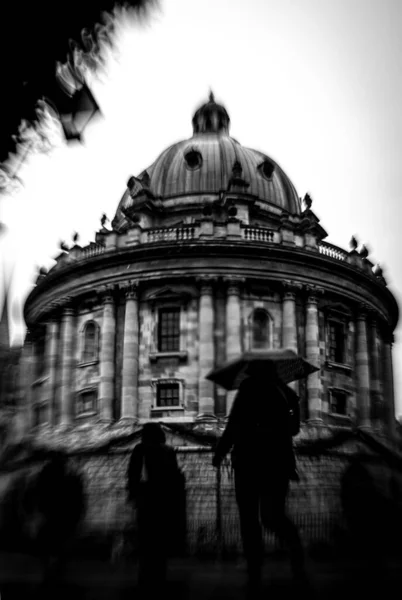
59,505
264,416
153,482
372,508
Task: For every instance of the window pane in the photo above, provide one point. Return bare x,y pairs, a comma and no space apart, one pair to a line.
86,402
260,329
89,342
169,330
168,394
336,351
41,414
40,355
339,402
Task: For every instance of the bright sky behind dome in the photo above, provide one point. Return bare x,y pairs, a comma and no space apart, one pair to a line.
315,84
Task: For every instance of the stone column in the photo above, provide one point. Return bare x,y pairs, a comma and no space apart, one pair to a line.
67,338
206,353
289,325
51,362
362,369
107,357
233,327
27,376
375,377
129,396
389,398
314,390
220,348
289,322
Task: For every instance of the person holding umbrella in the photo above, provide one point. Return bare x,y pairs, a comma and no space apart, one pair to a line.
262,421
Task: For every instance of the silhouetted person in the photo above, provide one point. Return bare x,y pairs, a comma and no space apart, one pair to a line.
259,432
59,506
152,483
372,514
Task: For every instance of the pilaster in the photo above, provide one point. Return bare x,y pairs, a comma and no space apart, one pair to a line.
362,368
206,354
376,400
52,329
107,356
314,388
289,322
389,398
233,326
67,339
129,398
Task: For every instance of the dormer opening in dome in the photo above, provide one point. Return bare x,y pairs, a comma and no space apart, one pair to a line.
211,118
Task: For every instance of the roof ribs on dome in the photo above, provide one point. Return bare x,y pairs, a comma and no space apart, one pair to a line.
210,163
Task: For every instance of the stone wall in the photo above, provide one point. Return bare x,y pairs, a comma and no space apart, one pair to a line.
314,502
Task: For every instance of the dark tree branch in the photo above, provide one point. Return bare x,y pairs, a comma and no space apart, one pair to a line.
44,47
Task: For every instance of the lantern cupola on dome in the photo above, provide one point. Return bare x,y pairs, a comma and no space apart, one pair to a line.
211,118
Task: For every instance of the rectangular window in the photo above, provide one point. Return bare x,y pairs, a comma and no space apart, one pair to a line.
40,346
169,330
90,342
167,394
40,414
336,339
338,402
86,402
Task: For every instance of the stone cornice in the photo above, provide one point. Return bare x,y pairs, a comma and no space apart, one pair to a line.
363,311
233,284
313,292
206,283
130,289
290,289
269,263
106,294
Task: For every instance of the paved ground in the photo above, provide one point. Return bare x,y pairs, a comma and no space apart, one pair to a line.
95,580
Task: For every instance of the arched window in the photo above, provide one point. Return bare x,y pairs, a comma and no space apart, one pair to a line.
260,329
90,345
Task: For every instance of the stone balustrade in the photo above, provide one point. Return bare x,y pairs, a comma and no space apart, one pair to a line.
258,234
188,233
169,234
92,250
332,251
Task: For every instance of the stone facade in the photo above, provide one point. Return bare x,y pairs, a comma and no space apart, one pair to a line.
215,325
211,253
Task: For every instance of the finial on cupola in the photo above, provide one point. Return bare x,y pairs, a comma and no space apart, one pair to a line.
76,236
308,201
211,96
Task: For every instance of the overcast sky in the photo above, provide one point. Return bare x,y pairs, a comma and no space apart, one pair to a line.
315,84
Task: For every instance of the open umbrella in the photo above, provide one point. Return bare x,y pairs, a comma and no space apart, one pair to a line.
289,367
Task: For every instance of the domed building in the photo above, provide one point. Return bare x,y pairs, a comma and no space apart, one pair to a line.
211,252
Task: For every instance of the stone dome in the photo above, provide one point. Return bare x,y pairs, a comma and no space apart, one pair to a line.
209,161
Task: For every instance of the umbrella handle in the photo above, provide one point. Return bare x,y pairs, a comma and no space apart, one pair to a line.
218,509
